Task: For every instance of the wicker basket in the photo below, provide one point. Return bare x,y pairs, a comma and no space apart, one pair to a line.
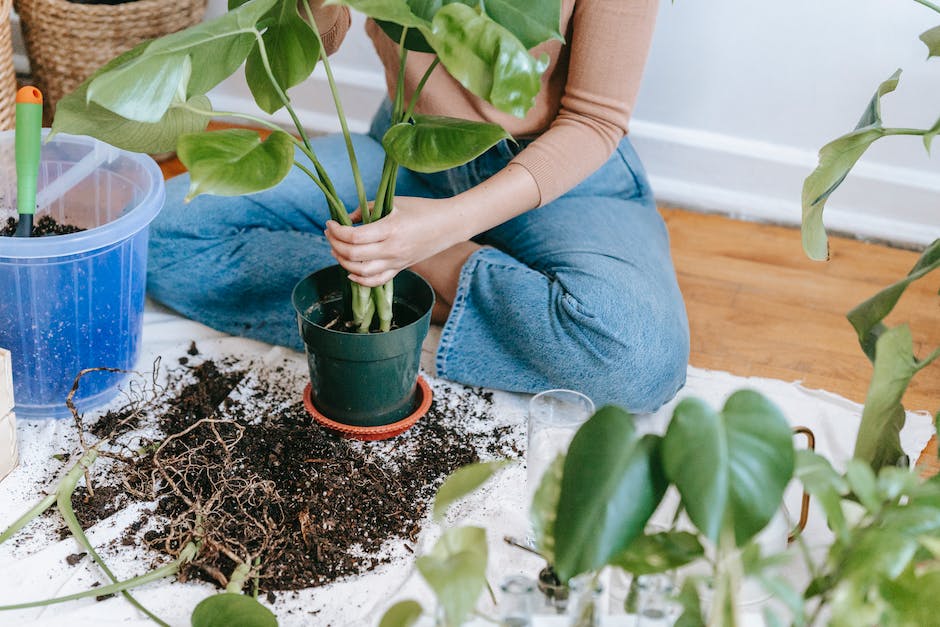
67,42
7,74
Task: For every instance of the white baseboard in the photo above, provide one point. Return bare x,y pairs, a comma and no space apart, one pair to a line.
696,169
761,181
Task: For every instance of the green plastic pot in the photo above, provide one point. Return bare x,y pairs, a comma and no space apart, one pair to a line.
362,379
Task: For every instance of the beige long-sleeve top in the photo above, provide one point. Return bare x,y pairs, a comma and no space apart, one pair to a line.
588,91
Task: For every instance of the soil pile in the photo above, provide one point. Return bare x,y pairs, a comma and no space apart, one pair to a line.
233,461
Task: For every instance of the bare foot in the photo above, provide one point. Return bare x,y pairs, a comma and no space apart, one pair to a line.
442,271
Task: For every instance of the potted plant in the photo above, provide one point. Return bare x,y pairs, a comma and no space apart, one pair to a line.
153,99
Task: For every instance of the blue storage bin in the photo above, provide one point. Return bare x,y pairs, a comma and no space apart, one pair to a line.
73,302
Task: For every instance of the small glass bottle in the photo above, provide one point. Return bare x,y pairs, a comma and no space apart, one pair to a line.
584,607
656,606
516,601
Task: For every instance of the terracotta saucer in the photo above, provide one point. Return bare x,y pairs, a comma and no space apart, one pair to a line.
379,432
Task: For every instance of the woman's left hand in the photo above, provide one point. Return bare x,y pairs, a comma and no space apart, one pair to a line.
416,229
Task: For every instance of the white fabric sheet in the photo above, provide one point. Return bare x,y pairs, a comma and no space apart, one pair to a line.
33,565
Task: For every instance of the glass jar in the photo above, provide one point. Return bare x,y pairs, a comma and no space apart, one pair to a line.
584,605
516,601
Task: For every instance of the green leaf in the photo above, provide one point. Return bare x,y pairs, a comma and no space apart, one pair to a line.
912,599
229,609
434,143
878,442
181,65
486,58
894,483
820,480
866,318
877,553
424,9
402,614
77,116
235,161
456,570
931,39
836,159
396,11
462,482
691,605
863,483
611,485
545,507
730,467
930,134
531,21
292,49
659,552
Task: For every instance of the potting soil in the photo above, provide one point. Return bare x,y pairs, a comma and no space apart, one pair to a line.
230,458
44,226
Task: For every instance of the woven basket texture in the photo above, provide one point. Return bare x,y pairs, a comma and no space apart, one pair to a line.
7,74
67,42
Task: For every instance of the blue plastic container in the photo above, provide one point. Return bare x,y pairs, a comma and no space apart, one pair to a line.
72,302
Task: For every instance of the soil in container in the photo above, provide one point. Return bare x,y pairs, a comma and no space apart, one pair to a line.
44,226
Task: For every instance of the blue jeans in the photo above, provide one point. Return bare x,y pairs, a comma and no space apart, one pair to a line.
579,293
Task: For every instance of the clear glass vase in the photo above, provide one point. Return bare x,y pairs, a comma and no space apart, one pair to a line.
584,602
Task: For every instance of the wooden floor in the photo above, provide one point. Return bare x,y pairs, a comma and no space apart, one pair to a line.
758,307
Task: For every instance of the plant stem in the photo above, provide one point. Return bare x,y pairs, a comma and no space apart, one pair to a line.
929,5
419,88
262,49
337,210
121,586
353,162
905,131
64,503
25,519
237,581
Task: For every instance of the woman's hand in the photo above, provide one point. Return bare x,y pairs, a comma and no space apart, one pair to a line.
416,229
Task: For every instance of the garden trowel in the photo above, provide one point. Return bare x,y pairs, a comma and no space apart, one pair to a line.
28,141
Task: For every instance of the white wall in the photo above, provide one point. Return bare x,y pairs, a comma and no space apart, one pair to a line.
737,98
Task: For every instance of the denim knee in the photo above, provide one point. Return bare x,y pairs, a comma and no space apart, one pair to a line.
636,350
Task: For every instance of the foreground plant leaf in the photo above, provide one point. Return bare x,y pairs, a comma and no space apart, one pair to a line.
77,116
867,317
486,59
529,20
659,552
836,159
879,441
230,608
931,39
462,482
434,143
180,65
823,482
731,468
456,570
402,614
611,485
292,50
235,161
544,510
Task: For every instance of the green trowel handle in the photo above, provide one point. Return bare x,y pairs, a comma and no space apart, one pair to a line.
28,142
